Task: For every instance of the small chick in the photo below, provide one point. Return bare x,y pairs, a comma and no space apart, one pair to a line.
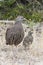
28,40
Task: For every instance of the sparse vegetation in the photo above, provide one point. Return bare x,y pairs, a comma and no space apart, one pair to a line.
10,9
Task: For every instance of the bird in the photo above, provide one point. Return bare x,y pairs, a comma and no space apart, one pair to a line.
28,40
15,34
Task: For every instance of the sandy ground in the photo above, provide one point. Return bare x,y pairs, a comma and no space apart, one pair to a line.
11,55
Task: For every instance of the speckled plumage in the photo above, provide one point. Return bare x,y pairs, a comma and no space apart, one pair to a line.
28,40
15,34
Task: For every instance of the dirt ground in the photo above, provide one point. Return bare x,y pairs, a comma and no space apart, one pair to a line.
11,55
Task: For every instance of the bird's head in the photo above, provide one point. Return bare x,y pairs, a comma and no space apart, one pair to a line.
30,32
20,19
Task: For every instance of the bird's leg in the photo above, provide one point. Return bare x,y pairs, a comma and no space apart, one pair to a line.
11,47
